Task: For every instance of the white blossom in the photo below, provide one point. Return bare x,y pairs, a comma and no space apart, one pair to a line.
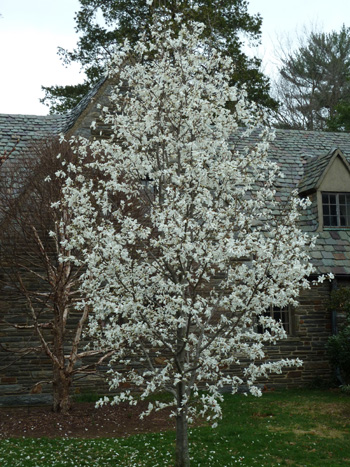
183,242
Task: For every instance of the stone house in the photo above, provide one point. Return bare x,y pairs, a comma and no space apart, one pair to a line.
314,163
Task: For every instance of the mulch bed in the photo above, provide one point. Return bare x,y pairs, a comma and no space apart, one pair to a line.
84,421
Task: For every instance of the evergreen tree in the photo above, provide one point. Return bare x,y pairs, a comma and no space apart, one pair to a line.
104,24
314,80
340,120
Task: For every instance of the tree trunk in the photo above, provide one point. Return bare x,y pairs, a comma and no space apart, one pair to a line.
62,380
61,387
182,452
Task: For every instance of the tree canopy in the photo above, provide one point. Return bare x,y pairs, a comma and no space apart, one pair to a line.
104,24
314,81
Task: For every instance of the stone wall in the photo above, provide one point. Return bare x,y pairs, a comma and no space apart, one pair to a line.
24,367
311,329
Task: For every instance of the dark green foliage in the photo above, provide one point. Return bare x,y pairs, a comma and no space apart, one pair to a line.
87,396
103,24
338,346
340,121
63,98
314,80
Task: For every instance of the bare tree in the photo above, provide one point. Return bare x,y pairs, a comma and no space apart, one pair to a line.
36,264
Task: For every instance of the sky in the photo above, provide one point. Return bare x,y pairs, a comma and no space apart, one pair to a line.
31,31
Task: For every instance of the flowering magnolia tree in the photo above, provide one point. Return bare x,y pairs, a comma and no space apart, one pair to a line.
184,244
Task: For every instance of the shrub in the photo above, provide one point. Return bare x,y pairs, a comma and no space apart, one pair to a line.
338,346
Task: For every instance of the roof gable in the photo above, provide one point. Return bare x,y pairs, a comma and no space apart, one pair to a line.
86,102
317,169
336,176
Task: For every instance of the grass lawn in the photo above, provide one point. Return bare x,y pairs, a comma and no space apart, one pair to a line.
287,428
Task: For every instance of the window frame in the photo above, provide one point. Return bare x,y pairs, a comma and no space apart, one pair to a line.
338,208
286,317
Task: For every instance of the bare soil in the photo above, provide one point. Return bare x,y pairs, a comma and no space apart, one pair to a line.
84,421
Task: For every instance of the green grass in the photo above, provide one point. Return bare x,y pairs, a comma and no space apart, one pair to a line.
289,428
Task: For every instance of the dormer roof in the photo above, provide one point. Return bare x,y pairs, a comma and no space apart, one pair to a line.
316,169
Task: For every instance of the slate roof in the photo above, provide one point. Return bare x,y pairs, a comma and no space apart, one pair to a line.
19,131
313,170
302,156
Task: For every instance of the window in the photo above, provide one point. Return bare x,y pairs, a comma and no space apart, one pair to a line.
148,186
280,314
336,209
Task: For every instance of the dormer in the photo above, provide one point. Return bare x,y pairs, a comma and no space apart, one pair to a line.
328,179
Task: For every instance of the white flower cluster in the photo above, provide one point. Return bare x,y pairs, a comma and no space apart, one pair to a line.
182,240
